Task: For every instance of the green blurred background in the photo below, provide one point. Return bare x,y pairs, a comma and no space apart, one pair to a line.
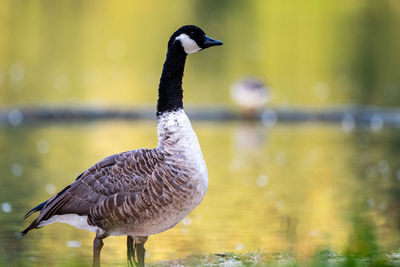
299,187
111,52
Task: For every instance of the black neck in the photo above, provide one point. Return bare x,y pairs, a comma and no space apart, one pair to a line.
170,92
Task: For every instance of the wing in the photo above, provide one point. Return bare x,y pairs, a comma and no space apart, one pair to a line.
121,183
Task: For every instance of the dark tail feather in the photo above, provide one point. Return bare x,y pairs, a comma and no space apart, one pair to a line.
35,209
35,223
30,227
50,208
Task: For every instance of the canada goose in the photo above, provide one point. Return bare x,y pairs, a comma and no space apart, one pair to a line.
146,191
250,94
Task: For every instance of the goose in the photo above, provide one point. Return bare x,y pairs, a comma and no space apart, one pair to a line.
250,94
145,191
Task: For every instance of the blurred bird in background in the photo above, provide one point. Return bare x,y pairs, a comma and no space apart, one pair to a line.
250,94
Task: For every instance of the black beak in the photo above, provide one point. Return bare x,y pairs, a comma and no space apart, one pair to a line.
208,42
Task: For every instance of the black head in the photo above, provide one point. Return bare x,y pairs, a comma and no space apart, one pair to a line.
192,39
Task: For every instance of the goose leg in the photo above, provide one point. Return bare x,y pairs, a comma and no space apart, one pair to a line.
97,246
131,252
140,251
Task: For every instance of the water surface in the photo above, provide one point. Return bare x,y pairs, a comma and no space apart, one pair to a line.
299,187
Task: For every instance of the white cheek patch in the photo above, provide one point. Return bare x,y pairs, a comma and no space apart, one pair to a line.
188,44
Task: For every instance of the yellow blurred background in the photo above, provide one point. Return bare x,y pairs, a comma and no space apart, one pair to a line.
111,52
291,187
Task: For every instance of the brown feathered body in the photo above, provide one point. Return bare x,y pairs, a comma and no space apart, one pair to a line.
139,192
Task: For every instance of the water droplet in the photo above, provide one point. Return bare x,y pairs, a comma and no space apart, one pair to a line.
16,169
6,207
383,206
280,205
383,166
321,90
371,171
15,117
187,221
269,117
43,147
398,175
17,71
262,180
376,123
51,189
61,83
390,91
397,120
386,175
239,246
90,77
18,235
116,49
148,253
255,51
280,159
348,123
74,244
314,233
185,231
371,202
364,158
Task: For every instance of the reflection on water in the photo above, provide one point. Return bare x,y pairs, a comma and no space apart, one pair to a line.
300,187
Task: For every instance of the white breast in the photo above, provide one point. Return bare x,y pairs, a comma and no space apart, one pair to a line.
177,138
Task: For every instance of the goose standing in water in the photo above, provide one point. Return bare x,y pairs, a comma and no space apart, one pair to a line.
146,191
